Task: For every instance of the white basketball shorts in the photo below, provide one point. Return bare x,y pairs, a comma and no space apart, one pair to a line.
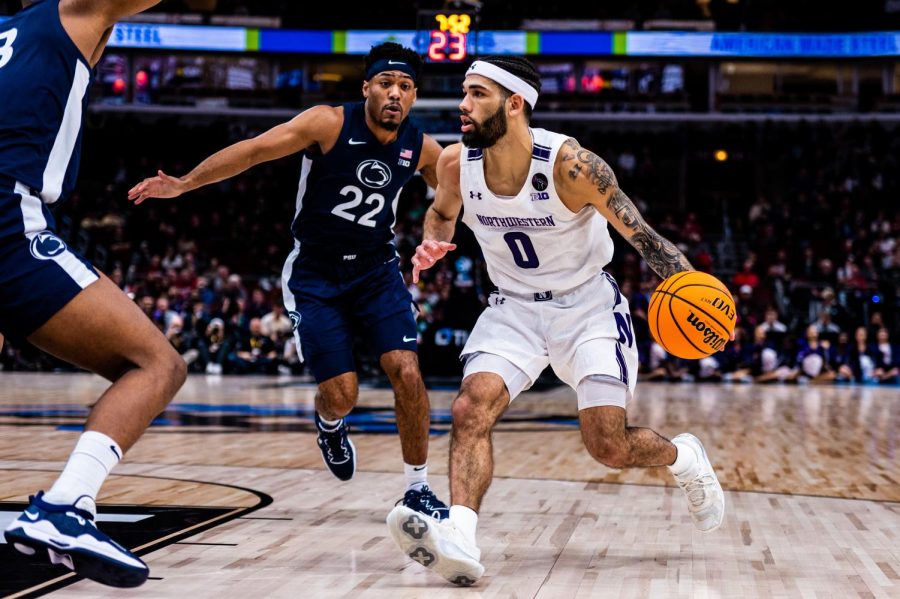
583,332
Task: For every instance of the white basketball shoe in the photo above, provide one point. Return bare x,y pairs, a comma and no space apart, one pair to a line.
706,501
436,544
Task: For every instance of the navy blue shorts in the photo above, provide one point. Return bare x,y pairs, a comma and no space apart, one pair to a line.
328,308
39,273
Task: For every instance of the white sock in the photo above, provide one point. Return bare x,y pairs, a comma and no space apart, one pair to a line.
686,460
94,456
416,476
466,520
330,425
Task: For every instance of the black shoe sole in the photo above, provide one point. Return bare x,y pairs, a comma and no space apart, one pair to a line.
86,564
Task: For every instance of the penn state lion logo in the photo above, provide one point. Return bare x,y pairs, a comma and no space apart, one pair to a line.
295,320
373,173
47,246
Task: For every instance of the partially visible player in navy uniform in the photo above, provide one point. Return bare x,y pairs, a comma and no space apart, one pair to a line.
343,275
51,296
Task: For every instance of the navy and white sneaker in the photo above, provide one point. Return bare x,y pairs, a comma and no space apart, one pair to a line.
67,535
338,451
425,502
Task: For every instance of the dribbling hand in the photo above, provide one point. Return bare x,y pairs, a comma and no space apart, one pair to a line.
160,186
429,252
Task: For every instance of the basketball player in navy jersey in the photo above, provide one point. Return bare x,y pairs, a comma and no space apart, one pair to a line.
52,297
342,276
539,205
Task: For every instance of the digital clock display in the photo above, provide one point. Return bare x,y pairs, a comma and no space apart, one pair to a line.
445,36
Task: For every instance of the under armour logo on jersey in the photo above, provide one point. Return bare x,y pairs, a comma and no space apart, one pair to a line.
373,173
295,320
474,194
47,246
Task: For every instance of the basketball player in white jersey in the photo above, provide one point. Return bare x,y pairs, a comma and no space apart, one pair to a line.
539,205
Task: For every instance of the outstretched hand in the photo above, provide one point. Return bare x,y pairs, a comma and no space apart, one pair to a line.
160,186
429,252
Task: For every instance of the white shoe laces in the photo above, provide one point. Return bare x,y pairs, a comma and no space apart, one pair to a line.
698,489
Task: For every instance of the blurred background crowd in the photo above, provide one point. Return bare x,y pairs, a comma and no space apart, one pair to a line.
780,177
804,232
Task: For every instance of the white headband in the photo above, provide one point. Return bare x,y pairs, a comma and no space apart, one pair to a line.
504,78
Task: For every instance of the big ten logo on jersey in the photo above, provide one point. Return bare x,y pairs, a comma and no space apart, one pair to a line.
405,158
540,183
6,45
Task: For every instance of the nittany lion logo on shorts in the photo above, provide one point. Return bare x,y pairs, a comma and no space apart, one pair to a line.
47,246
373,173
295,320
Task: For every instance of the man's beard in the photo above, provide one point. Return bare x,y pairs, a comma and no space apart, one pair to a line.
383,123
486,134
388,125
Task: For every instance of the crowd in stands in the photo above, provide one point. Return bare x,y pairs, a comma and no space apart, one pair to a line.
812,231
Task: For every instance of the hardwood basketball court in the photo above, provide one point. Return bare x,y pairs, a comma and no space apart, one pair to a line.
228,497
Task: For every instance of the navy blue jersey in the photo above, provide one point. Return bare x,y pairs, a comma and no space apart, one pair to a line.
43,96
347,200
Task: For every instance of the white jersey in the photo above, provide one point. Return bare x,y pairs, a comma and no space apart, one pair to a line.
532,242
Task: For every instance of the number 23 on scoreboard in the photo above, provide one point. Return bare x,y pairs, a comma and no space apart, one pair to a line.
448,42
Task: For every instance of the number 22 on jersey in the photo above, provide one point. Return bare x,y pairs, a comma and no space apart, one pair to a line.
367,219
6,45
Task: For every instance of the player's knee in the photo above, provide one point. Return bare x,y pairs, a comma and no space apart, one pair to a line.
174,371
608,452
407,375
338,403
469,416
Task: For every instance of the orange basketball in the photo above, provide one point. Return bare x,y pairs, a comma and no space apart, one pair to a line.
691,314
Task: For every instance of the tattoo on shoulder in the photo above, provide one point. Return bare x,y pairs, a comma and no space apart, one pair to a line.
660,253
592,166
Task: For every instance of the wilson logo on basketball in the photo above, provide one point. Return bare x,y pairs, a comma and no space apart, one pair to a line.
710,337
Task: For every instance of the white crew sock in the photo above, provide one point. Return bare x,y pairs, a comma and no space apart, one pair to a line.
466,520
686,461
416,476
330,425
94,456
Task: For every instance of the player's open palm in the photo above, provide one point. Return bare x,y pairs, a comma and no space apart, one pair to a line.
429,252
160,186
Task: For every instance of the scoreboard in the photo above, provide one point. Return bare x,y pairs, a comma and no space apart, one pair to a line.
445,36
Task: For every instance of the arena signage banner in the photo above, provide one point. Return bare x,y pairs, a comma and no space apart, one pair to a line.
781,45
541,43
179,37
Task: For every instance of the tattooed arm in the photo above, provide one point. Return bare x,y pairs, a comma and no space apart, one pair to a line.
583,178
